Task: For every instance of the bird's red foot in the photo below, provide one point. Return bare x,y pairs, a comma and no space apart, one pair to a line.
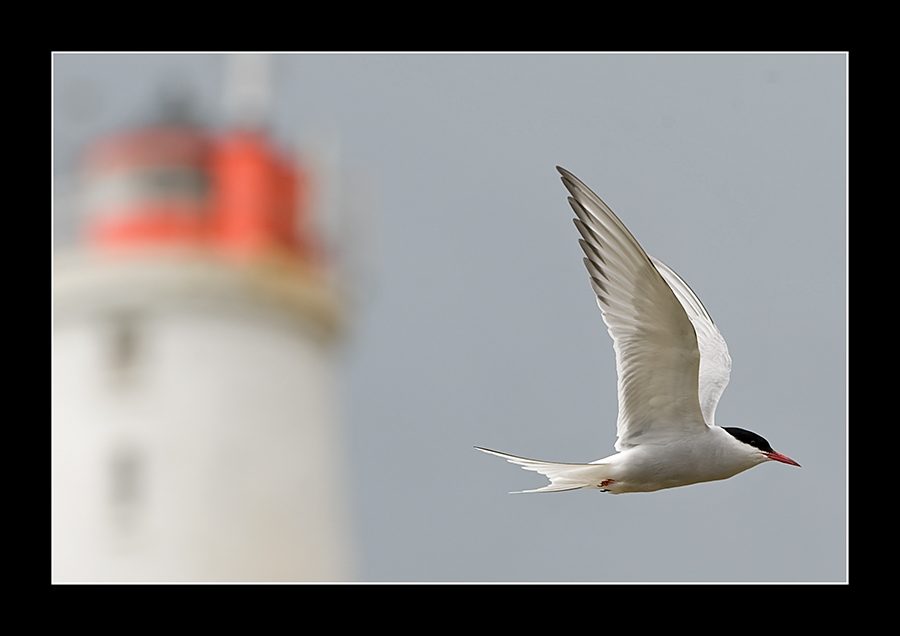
605,483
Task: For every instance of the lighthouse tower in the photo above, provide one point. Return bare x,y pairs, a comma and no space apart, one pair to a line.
195,434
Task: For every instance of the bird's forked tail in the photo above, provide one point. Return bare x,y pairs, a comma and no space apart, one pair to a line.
561,476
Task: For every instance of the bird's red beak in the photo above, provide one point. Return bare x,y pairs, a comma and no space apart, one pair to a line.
784,459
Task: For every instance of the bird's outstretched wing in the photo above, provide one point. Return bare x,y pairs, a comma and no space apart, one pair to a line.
657,354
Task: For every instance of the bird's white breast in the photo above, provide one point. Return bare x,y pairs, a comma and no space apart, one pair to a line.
707,456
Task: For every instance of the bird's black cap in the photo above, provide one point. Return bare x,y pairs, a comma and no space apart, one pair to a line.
748,437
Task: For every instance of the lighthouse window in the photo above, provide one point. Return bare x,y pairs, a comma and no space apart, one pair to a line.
126,478
125,346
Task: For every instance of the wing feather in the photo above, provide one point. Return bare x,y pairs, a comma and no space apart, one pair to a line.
715,362
657,353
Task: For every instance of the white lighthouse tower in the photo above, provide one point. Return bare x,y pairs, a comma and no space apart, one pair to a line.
195,433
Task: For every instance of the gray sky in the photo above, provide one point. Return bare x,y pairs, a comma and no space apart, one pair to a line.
477,326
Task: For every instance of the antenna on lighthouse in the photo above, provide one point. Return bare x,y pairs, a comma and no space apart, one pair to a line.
248,89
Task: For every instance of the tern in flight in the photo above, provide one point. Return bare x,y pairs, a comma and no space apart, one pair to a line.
672,366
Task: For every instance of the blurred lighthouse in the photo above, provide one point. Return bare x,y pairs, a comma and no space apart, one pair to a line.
195,432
